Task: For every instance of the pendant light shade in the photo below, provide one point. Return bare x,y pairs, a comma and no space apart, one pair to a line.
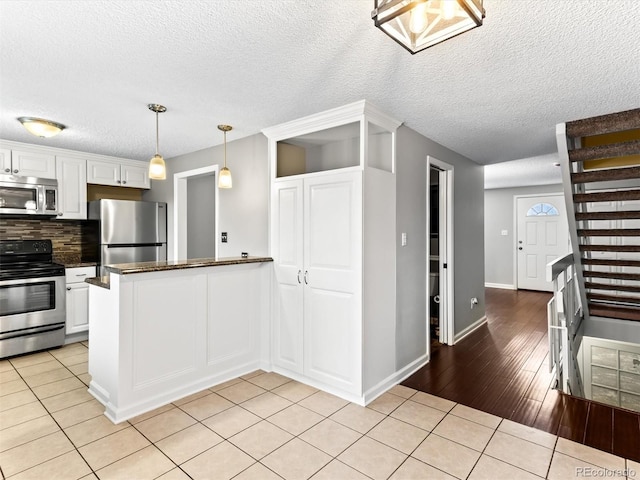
157,168
41,127
420,24
224,177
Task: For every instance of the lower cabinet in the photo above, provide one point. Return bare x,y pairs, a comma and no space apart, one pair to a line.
78,298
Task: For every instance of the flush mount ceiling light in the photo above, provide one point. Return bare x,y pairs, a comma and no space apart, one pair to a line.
420,24
157,168
41,127
224,177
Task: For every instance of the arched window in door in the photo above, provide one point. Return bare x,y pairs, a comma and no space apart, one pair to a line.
542,210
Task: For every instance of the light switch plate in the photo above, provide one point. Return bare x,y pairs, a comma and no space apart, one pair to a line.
404,239
504,233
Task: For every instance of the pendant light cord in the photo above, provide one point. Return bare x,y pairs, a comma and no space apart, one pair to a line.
225,149
157,133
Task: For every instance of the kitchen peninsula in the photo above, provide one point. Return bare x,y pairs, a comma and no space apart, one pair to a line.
160,331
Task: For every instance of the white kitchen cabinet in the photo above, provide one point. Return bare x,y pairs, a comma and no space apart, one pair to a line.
30,164
135,176
118,174
5,161
333,245
78,299
318,257
72,188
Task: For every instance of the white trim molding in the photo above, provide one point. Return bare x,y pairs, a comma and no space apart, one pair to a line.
504,286
470,329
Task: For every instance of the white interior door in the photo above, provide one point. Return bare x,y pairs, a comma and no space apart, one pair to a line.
287,247
332,277
542,236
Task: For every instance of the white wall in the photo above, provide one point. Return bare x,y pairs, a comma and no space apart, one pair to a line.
411,281
498,216
243,209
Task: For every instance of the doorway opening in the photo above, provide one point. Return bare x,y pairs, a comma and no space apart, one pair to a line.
439,253
195,216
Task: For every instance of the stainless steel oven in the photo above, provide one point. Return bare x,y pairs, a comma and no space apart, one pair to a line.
32,297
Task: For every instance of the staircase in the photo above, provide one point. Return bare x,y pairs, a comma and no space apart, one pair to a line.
600,160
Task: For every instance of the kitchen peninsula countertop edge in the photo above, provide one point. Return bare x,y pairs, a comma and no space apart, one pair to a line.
144,267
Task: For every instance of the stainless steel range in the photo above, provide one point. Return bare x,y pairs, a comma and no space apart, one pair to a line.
32,297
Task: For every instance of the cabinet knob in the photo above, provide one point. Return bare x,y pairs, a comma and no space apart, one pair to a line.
124,182
118,181
15,171
59,214
68,288
8,170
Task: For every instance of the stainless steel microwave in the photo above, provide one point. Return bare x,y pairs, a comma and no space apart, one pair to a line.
28,196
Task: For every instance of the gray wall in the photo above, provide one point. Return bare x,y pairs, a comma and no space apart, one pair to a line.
498,216
243,209
411,284
201,200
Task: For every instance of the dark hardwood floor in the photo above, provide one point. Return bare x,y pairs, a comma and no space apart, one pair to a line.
502,368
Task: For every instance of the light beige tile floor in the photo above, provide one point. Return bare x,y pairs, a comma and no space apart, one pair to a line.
264,426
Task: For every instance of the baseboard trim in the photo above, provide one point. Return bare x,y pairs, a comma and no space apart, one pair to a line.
470,329
395,378
504,286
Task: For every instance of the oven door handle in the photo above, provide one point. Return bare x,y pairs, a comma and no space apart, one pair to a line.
31,331
23,281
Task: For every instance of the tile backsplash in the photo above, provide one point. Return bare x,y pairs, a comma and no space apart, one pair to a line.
73,240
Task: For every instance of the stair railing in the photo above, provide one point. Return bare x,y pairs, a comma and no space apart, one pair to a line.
564,317
564,145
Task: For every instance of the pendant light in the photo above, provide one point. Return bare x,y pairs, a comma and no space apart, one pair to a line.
224,177
41,127
157,168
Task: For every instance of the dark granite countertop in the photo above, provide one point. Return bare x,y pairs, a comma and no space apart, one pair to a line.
99,282
143,267
70,260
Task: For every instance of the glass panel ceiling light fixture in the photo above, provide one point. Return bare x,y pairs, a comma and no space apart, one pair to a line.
41,127
420,24
224,177
157,168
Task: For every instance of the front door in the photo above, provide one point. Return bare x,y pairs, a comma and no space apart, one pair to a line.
542,236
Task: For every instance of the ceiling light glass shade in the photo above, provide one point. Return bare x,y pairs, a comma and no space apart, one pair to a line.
157,168
41,127
420,24
224,178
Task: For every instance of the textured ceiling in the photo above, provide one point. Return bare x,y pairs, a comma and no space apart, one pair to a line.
493,94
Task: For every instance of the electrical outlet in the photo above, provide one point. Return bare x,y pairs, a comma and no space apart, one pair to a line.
224,237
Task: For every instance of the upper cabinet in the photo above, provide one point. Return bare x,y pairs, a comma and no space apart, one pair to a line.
5,160
355,136
71,173
28,164
118,174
